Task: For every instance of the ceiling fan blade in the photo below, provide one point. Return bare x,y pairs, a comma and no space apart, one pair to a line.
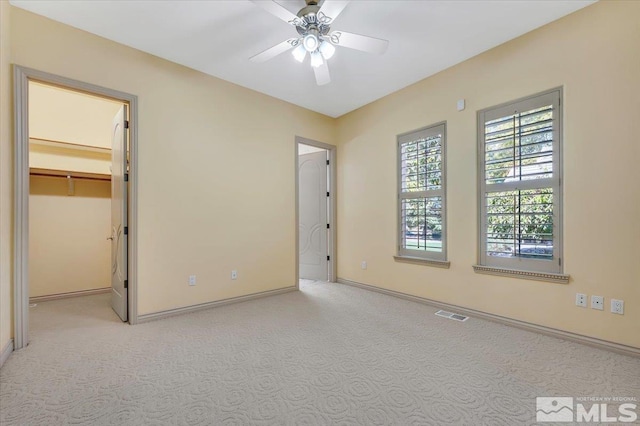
322,74
274,51
278,11
359,42
331,9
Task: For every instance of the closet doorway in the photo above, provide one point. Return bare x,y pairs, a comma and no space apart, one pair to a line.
315,196
74,199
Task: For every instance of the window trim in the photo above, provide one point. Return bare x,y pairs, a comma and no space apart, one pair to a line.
430,258
509,265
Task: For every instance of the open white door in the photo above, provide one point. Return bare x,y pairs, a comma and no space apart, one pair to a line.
312,171
119,214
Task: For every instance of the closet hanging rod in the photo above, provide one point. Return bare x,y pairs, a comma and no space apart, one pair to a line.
65,175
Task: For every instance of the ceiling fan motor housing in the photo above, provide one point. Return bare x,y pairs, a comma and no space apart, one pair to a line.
311,19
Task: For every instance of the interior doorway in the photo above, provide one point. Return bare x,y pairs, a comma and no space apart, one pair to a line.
70,170
316,210
75,201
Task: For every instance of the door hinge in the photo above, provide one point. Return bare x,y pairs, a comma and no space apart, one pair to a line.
126,124
327,162
328,257
126,177
126,230
327,193
328,226
126,283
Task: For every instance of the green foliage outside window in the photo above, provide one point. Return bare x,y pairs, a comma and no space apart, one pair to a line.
519,148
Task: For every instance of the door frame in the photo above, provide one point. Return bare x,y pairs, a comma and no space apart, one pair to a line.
21,78
332,244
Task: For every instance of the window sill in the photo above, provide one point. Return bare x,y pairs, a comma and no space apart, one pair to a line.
527,275
421,261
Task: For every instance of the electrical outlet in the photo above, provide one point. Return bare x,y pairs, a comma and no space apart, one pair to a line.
597,302
234,275
617,306
192,280
581,300
363,264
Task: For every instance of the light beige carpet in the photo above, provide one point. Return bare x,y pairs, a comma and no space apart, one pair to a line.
330,354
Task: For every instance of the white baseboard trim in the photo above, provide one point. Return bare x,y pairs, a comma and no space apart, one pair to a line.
37,299
188,309
6,351
591,341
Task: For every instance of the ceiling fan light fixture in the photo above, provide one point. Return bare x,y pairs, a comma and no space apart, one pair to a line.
316,59
310,42
299,53
327,49
313,25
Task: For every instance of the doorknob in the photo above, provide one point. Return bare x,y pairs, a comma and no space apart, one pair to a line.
110,238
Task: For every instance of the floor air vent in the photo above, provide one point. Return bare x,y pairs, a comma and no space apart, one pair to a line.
452,316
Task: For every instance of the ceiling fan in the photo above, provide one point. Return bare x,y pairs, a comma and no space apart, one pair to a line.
315,37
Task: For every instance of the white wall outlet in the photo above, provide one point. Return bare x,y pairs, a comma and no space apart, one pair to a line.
617,306
234,275
363,264
581,300
597,302
192,280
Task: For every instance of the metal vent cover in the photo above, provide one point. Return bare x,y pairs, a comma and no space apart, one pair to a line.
451,315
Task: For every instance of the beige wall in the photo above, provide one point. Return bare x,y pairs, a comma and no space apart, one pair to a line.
6,185
70,158
60,120
70,117
205,205
595,55
68,249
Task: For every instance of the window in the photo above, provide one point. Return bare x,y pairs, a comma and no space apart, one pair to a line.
421,194
520,194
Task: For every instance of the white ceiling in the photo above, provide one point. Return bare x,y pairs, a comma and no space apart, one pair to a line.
218,37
